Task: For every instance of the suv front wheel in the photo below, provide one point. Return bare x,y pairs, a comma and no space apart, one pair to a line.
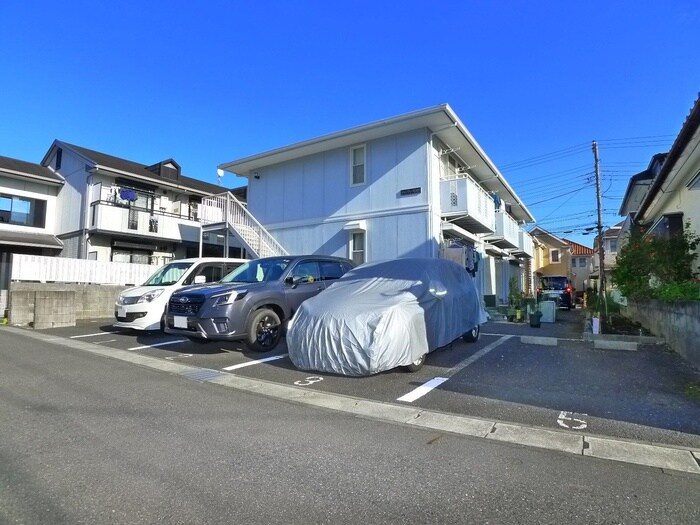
264,330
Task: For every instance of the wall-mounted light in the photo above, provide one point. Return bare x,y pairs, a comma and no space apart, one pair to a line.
256,175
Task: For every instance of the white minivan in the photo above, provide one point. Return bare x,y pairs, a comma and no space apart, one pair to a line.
142,307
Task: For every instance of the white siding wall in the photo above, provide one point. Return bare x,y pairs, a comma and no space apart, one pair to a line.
306,203
71,200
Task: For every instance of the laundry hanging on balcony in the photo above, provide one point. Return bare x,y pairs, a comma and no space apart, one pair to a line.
127,194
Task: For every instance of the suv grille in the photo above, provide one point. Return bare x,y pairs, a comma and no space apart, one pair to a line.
185,304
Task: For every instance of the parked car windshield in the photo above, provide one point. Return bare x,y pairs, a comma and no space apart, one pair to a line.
553,283
168,274
260,270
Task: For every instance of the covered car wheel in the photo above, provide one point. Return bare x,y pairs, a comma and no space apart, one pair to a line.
472,335
417,364
264,330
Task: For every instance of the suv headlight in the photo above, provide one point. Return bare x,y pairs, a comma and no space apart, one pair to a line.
148,297
228,297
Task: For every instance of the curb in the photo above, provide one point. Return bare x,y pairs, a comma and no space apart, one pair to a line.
664,457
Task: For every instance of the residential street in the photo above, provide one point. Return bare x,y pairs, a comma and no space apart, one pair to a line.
89,439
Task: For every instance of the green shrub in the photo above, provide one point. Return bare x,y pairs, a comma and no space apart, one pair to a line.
682,291
652,267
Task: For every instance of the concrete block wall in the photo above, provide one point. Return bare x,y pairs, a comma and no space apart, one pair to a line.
21,307
58,303
53,309
677,322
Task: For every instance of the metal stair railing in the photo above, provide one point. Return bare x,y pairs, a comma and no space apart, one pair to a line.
225,208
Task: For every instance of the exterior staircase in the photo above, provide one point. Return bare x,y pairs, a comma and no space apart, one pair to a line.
224,211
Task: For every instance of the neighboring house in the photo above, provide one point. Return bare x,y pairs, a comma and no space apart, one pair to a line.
637,189
581,266
413,185
28,201
671,199
611,245
553,255
112,209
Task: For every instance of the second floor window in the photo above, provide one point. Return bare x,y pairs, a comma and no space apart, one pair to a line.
357,157
22,211
612,245
554,256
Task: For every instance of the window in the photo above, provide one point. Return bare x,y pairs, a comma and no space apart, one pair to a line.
133,219
554,255
306,272
613,245
694,183
331,270
357,247
59,158
582,262
22,211
357,157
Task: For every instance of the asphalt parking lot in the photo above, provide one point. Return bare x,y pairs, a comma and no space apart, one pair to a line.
635,395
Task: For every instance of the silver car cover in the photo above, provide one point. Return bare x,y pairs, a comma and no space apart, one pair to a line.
384,314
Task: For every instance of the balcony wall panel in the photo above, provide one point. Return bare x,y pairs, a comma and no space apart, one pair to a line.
116,219
471,207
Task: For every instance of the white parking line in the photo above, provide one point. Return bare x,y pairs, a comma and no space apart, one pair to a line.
437,381
478,355
165,343
256,362
422,390
91,335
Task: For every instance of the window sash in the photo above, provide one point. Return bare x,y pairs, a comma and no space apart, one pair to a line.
357,247
357,160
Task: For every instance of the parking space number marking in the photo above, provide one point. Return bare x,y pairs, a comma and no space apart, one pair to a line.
308,381
565,420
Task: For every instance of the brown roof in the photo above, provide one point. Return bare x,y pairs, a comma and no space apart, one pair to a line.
579,249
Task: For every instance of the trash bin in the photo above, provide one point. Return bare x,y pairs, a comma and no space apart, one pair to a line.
535,319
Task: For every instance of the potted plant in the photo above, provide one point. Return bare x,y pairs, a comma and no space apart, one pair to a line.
514,301
535,318
533,311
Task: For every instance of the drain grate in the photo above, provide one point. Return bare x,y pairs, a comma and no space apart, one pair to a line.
204,374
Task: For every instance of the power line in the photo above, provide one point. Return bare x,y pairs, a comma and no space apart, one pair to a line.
545,156
642,141
559,195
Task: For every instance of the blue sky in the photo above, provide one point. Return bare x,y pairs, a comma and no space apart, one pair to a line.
209,82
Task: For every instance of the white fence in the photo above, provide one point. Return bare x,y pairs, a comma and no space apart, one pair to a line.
37,268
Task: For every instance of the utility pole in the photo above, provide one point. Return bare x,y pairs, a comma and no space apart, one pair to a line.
601,255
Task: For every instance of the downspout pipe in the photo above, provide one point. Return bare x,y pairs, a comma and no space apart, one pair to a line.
86,216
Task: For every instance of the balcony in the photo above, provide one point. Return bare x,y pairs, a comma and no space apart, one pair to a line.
507,232
464,203
108,217
525,245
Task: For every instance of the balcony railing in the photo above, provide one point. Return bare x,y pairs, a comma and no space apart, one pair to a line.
525,244
507,231
467,204
106,216
226,209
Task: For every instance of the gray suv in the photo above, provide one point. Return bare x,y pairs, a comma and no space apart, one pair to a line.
253,301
